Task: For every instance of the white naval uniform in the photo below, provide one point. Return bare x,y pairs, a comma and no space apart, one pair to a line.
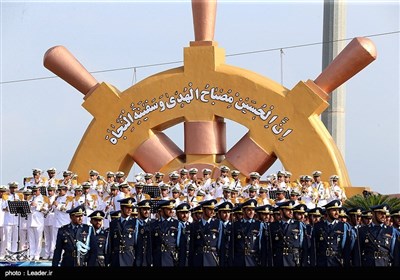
36,226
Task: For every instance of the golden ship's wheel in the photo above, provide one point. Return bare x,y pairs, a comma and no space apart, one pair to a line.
128,126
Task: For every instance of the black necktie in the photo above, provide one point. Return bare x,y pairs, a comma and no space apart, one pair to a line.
75,230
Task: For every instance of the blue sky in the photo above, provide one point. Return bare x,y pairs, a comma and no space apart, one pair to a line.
42,120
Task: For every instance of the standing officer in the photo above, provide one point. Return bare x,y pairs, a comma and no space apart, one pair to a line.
101,234
377,243
331,239
183,214
248,237
121,239
287,238
76,240
224,215
165,234
143,235
205,238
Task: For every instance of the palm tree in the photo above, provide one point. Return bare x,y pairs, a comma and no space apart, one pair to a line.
367,200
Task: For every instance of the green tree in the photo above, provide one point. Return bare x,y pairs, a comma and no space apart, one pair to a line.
366,201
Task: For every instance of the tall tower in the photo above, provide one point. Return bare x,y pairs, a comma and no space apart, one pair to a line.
334,29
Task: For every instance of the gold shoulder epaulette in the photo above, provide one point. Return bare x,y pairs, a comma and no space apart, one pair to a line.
46,199
27,179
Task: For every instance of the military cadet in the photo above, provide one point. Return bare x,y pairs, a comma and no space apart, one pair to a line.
207,185
191,198
193,177
224,176
331,239
183,214
287,238
343,216
143,235
139,195
205,238
299,212
123,193
248,237
280,196
224,215
366,217
51,181
135,212
159,176
77,242
165,233
276,214
164,189
314,216
90,199
321,187
116,214
236,184
395,214
377,244
120,177
109,204
3,199
11,220
121,238
226,195
49,221
36,180
262,198
148,179
69,181
197,213
101,235
110,180
96,183
237,213
264,214
38,206
355,216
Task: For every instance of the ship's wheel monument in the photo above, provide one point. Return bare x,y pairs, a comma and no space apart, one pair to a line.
127,126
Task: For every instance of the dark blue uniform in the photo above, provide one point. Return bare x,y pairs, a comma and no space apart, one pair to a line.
184,244
330,244
377,245
121,243
289,243
101,239
143,243
165,234
204,243
247,242
70,240
226,245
